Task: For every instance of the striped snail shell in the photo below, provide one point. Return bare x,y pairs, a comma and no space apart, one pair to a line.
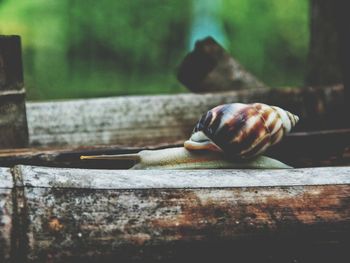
241,131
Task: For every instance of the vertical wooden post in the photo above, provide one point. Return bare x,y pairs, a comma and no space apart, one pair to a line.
324,67
329,53
13,121
343,21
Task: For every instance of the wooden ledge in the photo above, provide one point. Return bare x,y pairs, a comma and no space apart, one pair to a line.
77,215
148,120
149,179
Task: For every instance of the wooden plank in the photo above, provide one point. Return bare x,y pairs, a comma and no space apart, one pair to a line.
6,212
298,149
13,122
148,120
148,179
102,216
314,148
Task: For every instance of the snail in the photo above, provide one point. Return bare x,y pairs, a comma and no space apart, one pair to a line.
227,136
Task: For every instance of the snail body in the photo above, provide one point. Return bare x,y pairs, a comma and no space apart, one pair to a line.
241,131
227,136
179,158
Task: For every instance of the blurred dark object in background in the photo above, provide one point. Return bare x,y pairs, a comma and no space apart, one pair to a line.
209,68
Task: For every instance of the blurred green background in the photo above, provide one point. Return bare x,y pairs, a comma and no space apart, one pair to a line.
85,48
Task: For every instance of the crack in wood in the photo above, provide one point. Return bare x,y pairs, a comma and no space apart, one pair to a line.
20,220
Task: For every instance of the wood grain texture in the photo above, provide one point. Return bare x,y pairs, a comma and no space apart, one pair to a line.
5,178
148,120
144,179
6,184
77,215
104,225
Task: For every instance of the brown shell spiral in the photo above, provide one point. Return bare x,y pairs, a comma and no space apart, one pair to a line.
241,130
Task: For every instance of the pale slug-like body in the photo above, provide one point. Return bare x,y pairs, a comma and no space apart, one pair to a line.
180,158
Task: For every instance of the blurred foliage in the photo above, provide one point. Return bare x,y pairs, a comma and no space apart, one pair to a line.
75,48
270,38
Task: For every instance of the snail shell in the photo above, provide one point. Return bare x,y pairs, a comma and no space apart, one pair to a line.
241,130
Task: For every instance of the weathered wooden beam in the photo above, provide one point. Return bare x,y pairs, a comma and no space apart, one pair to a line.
13,123
298,149
314,148
148,120
72,215
46,177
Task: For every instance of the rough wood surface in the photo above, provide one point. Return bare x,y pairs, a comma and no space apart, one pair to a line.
75,215
5,178
145,179
148,120
6,184
13,122
209,68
